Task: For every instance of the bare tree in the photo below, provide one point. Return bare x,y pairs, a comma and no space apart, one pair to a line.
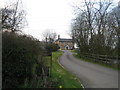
49,37
46,35
92,30
13,17
52,37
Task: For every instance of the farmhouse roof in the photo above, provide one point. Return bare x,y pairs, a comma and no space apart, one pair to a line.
64,40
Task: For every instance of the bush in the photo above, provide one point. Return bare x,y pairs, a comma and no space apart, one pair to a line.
52,47
19,54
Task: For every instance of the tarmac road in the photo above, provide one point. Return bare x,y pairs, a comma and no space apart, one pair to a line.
91,75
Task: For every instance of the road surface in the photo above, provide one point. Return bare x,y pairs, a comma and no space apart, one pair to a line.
91,75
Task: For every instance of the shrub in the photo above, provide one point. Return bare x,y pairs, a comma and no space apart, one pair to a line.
19,54
52,47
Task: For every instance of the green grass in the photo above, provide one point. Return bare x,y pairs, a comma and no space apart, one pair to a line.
64,77
102,64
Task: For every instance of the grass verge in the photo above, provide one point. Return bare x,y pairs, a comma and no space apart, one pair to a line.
64,77
102,64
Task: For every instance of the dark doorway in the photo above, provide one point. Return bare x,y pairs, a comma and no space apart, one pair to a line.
67,48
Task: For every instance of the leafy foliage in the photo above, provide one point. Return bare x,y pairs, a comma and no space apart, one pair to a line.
19,53
52,47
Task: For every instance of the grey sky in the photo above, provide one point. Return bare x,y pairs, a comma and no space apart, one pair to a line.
55,15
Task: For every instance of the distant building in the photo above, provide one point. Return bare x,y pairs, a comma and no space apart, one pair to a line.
64,44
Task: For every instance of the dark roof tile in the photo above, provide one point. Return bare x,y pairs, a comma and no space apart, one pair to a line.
64,40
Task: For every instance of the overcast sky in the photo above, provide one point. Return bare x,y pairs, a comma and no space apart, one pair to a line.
55,15
42,15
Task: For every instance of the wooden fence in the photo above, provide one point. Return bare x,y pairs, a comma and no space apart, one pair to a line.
110,60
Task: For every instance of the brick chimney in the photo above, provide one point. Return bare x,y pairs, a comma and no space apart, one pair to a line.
58,36
119,4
